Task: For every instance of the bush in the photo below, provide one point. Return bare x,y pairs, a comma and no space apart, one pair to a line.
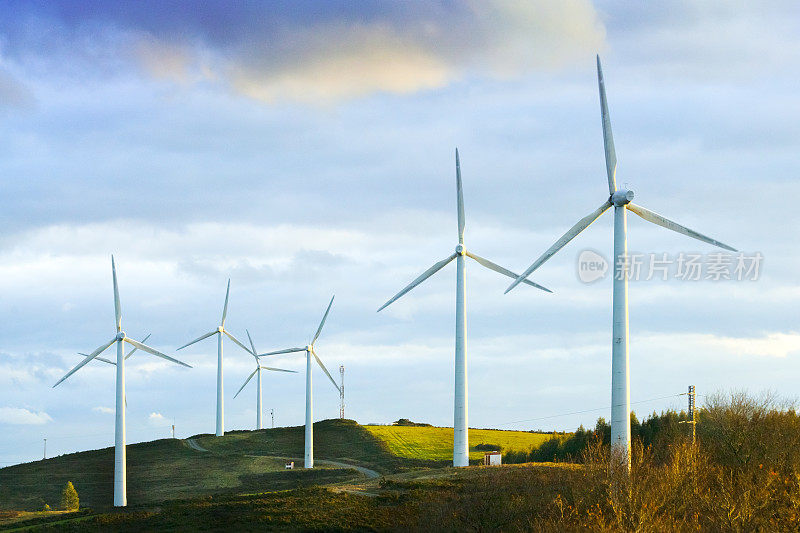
69,498
407,422
487,447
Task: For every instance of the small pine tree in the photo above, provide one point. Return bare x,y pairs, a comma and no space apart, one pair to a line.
69,498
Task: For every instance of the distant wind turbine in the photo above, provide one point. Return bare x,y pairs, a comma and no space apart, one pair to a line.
620,359
258,370
120,477
219,331
460,423
309,349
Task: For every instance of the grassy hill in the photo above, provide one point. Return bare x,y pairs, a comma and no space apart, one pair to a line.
240,462
436,443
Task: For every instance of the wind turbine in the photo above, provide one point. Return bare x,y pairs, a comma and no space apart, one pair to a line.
258,370
219,331
120,476
309,349
460,424
110,362
620,198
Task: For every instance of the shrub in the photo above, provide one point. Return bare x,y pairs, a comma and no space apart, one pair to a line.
488,447
69,498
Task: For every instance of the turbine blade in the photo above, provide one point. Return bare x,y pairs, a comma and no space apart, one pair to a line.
131,352
198,339
103,359
225,309
278,352
657,219
253,346
560,243
246,382
459,200
497,268
422,277
278,369
608,138
319,362
322,322
86,360
146,348
117,306
234,339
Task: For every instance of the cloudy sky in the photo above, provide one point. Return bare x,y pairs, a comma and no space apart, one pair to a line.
307,148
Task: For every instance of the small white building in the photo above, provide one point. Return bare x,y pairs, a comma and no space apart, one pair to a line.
492,458
290,465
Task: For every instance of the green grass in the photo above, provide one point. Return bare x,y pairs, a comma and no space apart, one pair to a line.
157,471
240,462
482,499
436,444
338,440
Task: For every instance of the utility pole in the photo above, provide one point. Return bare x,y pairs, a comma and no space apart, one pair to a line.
173,431
272,414
341,392
692,413
45,448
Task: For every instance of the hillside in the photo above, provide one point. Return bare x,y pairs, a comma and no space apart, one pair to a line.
240,462
436,443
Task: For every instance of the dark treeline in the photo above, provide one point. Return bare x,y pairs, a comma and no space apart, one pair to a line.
655,431
725,427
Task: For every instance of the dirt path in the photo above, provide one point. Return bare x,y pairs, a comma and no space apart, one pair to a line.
370,474
193,445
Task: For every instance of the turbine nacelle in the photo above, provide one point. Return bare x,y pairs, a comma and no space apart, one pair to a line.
621,197
309,348
120,336
220,329
460,250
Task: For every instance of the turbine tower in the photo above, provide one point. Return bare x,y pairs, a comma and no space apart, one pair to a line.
120,476
258,370
309,349
620,199
220,331
460,423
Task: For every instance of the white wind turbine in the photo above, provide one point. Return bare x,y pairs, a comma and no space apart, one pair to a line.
219,331
120,476
258,370
110,362
309,349
620,198
460,423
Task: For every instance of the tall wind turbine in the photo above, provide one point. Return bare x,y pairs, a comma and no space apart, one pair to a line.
309,349
460,424
258,370
120,476
620,198
220,331
110,362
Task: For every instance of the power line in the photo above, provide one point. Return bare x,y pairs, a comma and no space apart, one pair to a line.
589,410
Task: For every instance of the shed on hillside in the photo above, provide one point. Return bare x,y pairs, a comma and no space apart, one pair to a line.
492,458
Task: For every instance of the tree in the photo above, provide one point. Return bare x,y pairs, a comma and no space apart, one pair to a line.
69,498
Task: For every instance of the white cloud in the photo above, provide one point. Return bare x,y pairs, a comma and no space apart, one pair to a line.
157,419
103,410
21,416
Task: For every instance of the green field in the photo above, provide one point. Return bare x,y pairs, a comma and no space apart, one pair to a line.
436,444
241,462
